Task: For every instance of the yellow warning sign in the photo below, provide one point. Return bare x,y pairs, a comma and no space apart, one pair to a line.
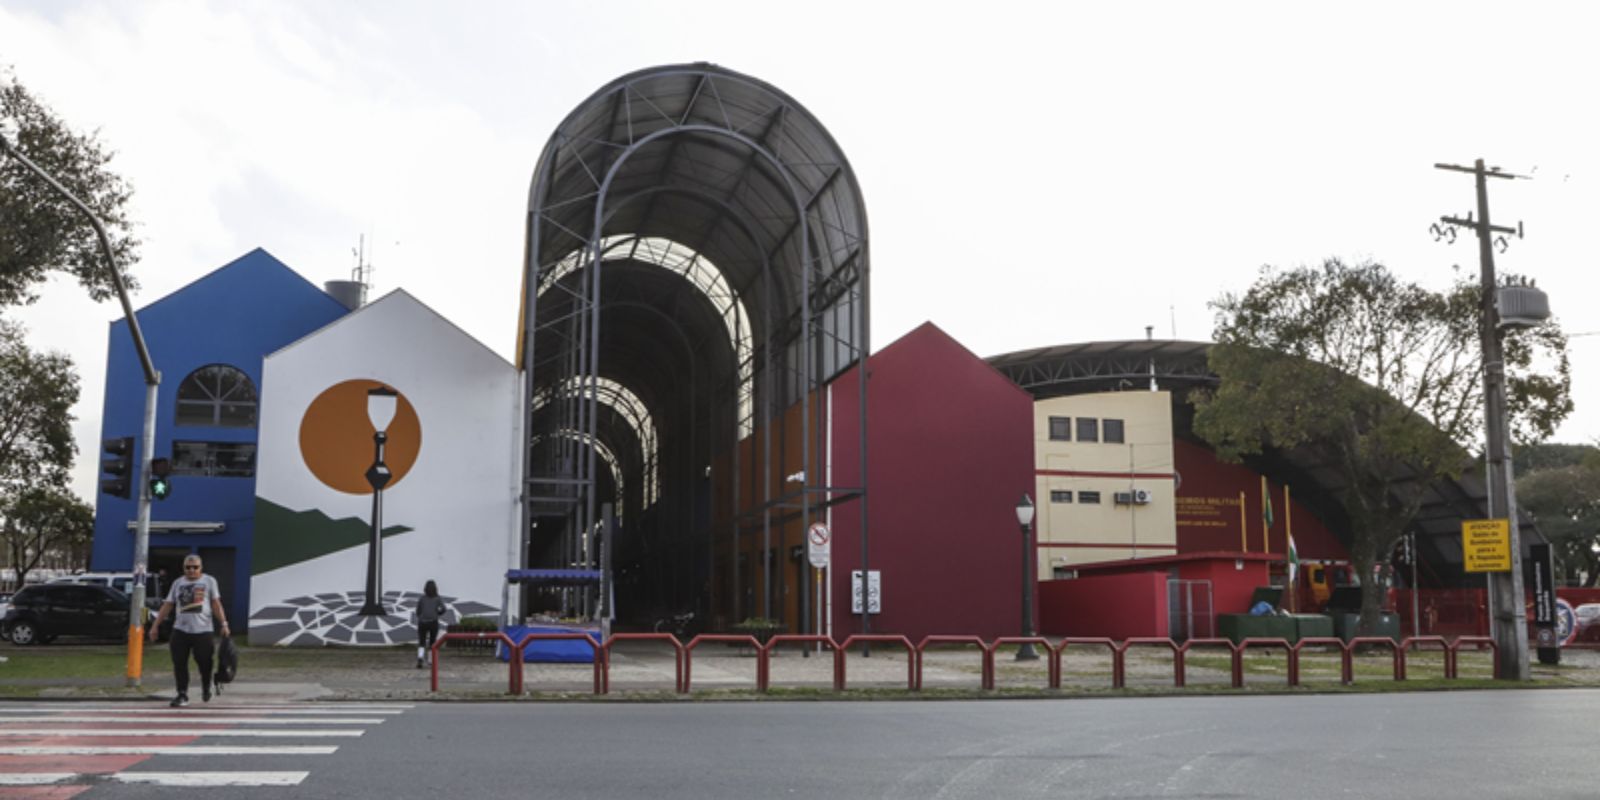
1486,544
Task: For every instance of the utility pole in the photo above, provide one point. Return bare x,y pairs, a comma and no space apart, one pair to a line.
1508,623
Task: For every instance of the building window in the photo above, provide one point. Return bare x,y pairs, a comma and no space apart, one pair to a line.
1112,428
1060,496
214,459
1088,429
1089,497
217,396
1060,429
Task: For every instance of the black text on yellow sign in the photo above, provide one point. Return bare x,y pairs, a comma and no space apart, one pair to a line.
1486,545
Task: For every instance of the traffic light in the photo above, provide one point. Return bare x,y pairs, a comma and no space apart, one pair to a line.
117,466
160,484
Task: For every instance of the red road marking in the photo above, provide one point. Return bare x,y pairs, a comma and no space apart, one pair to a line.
98,765
42,792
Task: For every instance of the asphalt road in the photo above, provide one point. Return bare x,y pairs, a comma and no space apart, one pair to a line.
1422,745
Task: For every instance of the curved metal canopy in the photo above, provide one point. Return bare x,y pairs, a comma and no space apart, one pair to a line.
696,236
1179,366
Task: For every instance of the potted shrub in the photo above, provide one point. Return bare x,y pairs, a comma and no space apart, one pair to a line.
761,628
474,625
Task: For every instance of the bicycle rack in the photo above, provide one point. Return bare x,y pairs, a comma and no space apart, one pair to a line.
1121,663
1053,658
517,656
1345,665
764,675
678,656
1116,654
724,638
515,664
843,652
986,682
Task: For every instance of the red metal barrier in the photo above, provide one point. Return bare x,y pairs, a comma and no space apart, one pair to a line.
515,663
1121,662
884,638
724,638
1399,653
678,657
1478,643
1345,667
1417,641
1181,664
1238,658
1053,657
764,678
1116,654
987,681
599,660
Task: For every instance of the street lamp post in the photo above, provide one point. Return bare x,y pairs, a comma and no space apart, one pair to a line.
1025,519
152,384
381,405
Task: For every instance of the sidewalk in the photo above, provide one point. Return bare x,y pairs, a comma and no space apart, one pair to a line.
647,670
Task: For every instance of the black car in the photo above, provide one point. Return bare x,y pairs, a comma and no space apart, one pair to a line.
41,612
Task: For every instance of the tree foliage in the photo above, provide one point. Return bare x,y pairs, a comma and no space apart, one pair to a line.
1565,500
37,391
1381,379
41,521
40,232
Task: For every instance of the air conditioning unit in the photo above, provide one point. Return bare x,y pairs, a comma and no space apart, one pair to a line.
1122,498
1141,497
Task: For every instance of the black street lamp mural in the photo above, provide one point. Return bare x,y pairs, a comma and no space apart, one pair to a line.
381,405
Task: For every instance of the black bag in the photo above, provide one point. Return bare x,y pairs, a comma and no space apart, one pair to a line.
227,663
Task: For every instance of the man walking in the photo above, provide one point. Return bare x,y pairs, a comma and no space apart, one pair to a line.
196,599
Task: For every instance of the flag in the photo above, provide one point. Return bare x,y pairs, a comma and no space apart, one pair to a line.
1266,505
1293,559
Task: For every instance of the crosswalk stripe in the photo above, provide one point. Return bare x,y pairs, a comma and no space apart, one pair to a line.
212,778
214,711
185,720
163,750
35,778
275,733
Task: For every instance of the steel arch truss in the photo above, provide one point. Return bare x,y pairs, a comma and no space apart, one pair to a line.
736,190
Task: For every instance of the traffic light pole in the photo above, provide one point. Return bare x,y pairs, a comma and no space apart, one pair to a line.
152,382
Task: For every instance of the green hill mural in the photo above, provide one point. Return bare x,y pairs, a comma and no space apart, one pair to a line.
284,537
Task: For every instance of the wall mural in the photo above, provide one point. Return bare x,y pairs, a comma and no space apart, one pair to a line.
358,437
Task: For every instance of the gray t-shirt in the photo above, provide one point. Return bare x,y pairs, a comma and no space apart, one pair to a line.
191,603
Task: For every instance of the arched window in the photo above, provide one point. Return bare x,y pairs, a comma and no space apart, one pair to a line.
219,396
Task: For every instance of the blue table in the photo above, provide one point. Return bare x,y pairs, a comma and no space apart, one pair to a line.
561,651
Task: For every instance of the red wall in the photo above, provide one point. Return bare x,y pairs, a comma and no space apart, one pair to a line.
1231,586
950,452
1208,511
1116,606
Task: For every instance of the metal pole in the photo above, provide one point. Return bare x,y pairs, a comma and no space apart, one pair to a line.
152,381
1025,652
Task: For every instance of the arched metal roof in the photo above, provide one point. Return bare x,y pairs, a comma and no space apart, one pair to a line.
1179,366
697,236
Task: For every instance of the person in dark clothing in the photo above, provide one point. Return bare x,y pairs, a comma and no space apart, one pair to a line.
198,603
430,609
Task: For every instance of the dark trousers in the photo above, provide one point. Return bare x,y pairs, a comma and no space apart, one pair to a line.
202,646
427,633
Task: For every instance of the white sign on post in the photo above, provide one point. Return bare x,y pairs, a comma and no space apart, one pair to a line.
874,592
819,543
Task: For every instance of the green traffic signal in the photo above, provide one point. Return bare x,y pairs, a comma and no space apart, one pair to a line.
160,488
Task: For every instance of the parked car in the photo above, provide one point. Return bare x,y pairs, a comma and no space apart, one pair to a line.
121,581
1587,619
41,612
5,603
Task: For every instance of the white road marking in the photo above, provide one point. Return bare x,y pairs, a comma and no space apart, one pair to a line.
35,778
212,778
192,721
167,750
276,732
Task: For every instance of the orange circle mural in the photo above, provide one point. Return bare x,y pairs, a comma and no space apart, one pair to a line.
336,438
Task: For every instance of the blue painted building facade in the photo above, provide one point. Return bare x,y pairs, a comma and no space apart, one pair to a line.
208,341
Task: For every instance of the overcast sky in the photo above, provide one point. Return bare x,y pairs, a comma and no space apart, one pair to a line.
1034,174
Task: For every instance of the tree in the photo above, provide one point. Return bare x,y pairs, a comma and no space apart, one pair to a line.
37,391
1380,379
43,522
42,233
1565,500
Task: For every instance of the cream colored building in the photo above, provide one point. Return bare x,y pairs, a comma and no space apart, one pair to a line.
1104,479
